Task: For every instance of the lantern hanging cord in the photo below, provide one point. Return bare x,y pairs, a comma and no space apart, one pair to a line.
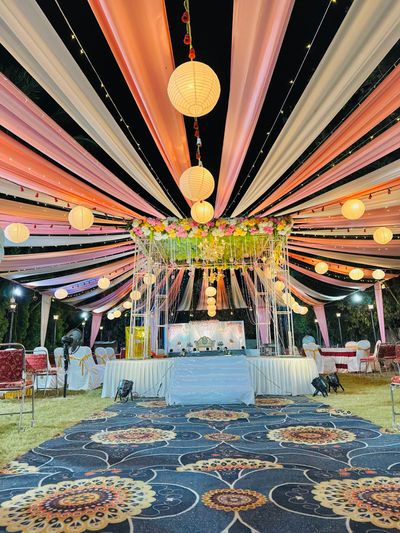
188,37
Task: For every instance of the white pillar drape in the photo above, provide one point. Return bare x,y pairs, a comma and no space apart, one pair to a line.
44,317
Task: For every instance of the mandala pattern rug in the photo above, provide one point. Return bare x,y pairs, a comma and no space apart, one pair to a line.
283,465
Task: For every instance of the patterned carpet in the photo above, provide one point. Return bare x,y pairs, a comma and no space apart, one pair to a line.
283,465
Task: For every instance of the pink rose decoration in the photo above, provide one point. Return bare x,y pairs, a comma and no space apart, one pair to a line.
211,224
267,229
253,231
152,221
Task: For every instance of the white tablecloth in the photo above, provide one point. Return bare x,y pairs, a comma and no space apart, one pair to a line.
269,375
217,380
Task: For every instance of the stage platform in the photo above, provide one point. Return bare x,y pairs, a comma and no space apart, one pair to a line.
269,375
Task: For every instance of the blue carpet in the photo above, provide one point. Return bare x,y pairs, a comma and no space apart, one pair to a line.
284,465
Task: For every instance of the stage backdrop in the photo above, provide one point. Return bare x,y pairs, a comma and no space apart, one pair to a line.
229,334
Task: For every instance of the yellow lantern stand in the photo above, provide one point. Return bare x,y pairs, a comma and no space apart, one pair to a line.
138,336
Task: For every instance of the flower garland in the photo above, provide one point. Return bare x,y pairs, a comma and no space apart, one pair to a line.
187,228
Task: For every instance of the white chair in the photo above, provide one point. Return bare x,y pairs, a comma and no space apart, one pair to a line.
110,353
83,373
101,356
59,358
351,345
371,362
311,350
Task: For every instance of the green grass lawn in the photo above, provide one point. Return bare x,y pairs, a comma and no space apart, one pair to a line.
367,396
52,416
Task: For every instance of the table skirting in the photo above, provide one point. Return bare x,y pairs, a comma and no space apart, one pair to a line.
269,375
344,358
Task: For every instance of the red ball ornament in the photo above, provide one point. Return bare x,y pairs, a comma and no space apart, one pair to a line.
185,17
186,39
192,53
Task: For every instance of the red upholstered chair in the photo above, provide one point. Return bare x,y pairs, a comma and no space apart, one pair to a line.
13,377
38,365
387,355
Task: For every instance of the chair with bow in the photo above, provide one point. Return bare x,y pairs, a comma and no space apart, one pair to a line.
371,362
13,378
83,373
101,356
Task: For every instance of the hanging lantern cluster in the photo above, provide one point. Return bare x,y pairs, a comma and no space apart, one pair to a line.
196,183
127,304
135,295
149,278
202,212
211,291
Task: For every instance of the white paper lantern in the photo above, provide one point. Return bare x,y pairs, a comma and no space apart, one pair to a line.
211,313
279,285
211,291
103,283
196,183
296,307
60,294
149,278
383,235
378,274
193,89
303,310
110,315
117,313
127,305
135,295
353,209
321,267
211,308
356,274
202,212
80,217
17,232
211,300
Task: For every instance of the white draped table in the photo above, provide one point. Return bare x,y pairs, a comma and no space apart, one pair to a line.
269,375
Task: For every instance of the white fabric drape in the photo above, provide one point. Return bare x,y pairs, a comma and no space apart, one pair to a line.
44,317
65,240
377,178
237,296
29,37
371,28
186,301
314,294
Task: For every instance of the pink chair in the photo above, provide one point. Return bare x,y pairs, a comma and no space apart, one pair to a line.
371,361
13,377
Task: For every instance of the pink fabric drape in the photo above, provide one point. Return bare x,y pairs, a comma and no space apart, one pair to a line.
94,330
320,315
378,105
380,310
257,36
375,217
140,41
262,319
386,143
331,281
21,165
26,120
362,246
222,297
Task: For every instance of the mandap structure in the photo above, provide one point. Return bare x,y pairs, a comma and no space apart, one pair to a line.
140,153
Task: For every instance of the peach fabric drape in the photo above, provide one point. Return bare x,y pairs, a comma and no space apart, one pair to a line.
320,315
139,38
378,105
257,36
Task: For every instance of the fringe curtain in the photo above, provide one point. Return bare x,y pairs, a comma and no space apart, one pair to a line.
186,300
237,296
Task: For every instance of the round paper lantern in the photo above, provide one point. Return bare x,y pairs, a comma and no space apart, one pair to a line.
17,232
303,310
80,217
296,307
110,315
353,209
378,274
212,313
211,291
103,283
117,313
193,89
127,305
196,183
60,294
211,308
356,274
202,212
211,300
383,235
135,295
149,278
321,267
279,285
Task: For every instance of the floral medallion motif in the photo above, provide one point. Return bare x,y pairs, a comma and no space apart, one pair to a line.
217,415
76,506
147,416
390,431
135,435
267,402
375,499
333,411
152,403
221,437
239,463
233,499
101,414
15,467
311,435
